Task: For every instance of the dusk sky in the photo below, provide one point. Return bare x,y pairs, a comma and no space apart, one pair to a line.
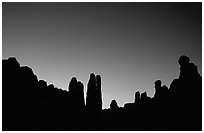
130,45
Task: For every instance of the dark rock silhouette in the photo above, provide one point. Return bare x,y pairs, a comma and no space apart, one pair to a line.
137,97
94,99
93,102
76,91
114,105
29,104
186,96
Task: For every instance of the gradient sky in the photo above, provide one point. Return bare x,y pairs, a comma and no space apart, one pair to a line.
129,44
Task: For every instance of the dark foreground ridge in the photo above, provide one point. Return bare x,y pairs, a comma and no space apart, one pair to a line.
29,104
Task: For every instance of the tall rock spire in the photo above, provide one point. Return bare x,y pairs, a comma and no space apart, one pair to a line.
76,91
98,91
94,97
137,97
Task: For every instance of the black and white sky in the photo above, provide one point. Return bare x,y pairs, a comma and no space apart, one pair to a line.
129,44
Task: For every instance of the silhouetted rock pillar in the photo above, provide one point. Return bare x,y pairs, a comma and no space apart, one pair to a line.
144,95
94,96
137,97
93,102
157,88
90,98
99,94
114,105
161,93
76,91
